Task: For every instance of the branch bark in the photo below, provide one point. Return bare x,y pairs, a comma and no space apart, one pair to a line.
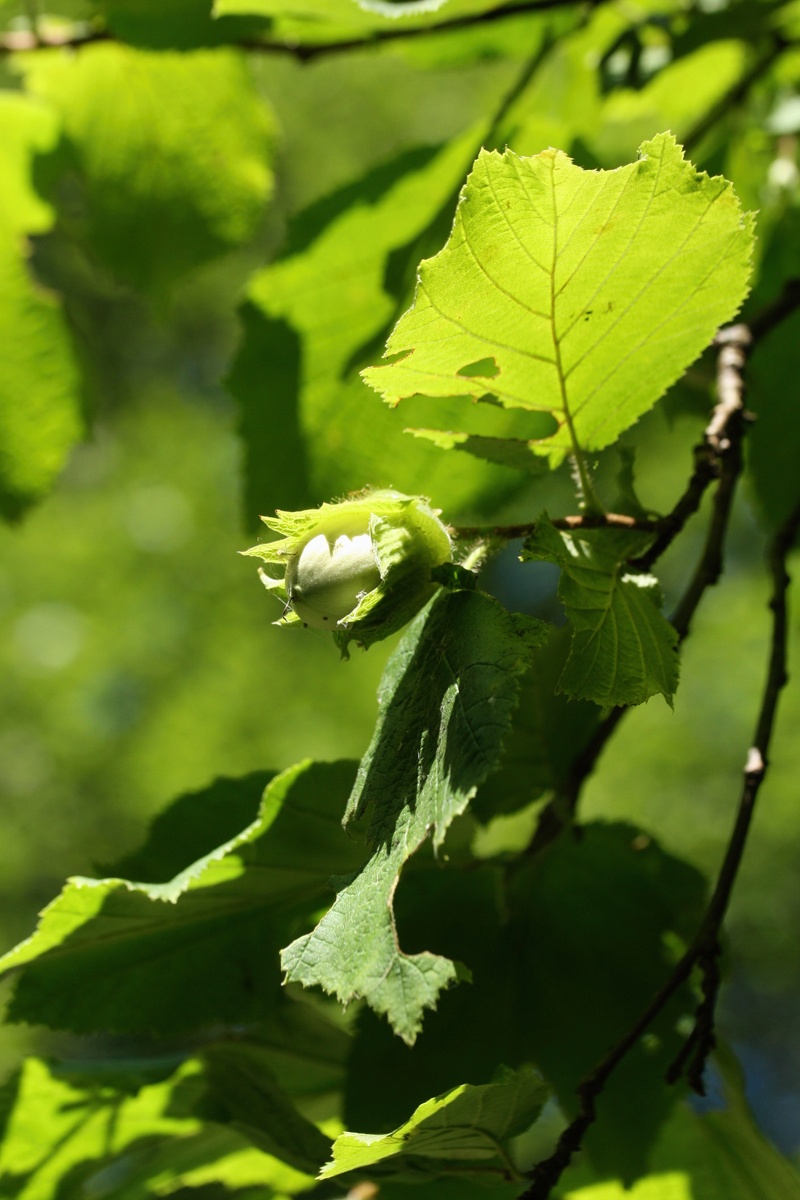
16,41
704,950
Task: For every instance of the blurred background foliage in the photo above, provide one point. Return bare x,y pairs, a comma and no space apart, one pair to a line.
173,190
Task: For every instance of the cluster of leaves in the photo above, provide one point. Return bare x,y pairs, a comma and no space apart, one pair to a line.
487,979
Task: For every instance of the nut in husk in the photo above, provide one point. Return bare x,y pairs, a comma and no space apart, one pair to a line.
360,568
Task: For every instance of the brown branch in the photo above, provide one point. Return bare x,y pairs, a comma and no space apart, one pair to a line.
701,1041
705,946
718,455
733,342
723,448
25,40
576,521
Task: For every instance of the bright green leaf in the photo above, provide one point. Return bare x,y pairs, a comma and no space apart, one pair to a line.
466,1130
446,700
40,405
141,1128
29,128
592,291
60,1125
232,1168
202,947
172,153
623,650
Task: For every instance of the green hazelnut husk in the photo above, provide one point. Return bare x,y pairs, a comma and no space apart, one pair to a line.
360,567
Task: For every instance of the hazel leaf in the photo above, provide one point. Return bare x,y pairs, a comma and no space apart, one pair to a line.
590,292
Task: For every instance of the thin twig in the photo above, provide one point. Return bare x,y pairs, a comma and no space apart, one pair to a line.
718,455
575,521
705,946
701,1041
733,342
76,38
723,439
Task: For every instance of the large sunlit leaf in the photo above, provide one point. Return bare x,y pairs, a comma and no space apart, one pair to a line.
202,947
466,1131
171,153
623,650
40,405
581,294
446,700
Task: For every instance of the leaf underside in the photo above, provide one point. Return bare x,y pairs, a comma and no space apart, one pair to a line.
587,293
623,650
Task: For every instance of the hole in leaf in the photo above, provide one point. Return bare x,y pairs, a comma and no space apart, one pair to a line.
487,368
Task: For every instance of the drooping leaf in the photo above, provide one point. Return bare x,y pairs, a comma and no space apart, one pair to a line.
203,947
445,704
40,404
459,914
591,292
623,650
171,152
563,961
311,428
465,1131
